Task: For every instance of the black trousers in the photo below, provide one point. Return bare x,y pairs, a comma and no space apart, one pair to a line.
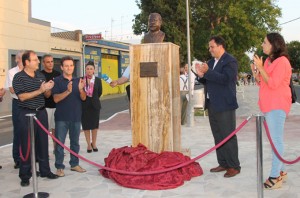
41,143
223,124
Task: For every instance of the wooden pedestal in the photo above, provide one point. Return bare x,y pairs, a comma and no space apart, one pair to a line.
155,96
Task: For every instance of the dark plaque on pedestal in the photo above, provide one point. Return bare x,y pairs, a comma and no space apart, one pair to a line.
148,69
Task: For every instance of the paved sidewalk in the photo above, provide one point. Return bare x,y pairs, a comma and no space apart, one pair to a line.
115,133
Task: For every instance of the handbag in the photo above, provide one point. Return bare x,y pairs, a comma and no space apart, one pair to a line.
294,96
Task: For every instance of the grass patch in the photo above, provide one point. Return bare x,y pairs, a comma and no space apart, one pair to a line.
200,112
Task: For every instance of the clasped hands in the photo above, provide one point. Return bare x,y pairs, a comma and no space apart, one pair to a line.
81,85
257,65
46,86
201,68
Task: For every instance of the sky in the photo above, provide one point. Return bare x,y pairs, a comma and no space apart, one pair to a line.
113,18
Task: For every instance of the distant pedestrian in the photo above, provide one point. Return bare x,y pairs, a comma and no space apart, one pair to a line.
273,78
184,90
91,107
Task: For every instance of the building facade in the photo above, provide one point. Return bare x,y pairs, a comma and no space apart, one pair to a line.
20,31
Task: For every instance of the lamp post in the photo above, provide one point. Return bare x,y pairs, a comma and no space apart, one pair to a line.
190,107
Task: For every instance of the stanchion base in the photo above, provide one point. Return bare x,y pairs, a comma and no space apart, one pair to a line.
40,195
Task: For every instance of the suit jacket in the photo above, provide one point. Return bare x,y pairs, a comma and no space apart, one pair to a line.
220,83
97,93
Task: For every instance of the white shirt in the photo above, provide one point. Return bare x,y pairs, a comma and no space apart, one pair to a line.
184,85
9,79
215,63
126,73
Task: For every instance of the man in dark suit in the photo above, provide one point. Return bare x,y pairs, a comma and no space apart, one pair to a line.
219,77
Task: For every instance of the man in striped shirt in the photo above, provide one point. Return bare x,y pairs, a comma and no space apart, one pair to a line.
30,87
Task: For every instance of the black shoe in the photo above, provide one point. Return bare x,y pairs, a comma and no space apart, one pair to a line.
0,167
17,165
94,149
51,176
89,151
24,183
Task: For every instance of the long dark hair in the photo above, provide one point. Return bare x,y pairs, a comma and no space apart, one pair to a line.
278,46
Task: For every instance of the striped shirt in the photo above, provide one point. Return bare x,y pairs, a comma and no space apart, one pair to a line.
23,83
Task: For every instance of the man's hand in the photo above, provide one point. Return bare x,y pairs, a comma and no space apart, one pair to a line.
198,70
81,84
113,83
69,87
49,85
2,92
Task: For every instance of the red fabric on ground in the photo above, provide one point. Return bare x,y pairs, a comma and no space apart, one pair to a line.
139,159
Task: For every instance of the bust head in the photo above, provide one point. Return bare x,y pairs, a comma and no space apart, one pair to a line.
154,22
154,35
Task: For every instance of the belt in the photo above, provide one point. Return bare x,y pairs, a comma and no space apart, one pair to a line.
36,109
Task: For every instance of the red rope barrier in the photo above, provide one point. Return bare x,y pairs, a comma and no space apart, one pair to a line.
28,149
274,148
151,172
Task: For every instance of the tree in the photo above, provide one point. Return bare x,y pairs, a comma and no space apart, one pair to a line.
294,54
243,24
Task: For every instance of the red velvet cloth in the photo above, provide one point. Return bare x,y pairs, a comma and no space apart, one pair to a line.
139,159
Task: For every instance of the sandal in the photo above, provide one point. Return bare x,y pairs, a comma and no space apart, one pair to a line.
273,183
283,176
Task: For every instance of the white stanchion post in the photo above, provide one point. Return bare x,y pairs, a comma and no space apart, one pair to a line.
259,155
35,193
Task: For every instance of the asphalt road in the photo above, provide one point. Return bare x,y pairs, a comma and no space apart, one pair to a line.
110,106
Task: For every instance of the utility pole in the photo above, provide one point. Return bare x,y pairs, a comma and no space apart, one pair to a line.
111,24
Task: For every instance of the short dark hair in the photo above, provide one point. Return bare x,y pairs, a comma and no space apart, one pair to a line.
182,64
26,56
63,59
219,40
46,56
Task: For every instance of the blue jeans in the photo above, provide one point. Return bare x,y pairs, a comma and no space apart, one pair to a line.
275,120
61,130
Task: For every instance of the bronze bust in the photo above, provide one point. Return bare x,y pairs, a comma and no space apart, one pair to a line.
154,35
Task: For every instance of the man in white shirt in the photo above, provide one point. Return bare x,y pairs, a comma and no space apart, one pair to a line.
124,79
15,107
2,93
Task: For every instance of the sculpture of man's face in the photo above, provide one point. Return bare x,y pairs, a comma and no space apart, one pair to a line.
154,22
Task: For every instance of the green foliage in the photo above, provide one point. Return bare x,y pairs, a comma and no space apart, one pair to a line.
242,23
294,53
